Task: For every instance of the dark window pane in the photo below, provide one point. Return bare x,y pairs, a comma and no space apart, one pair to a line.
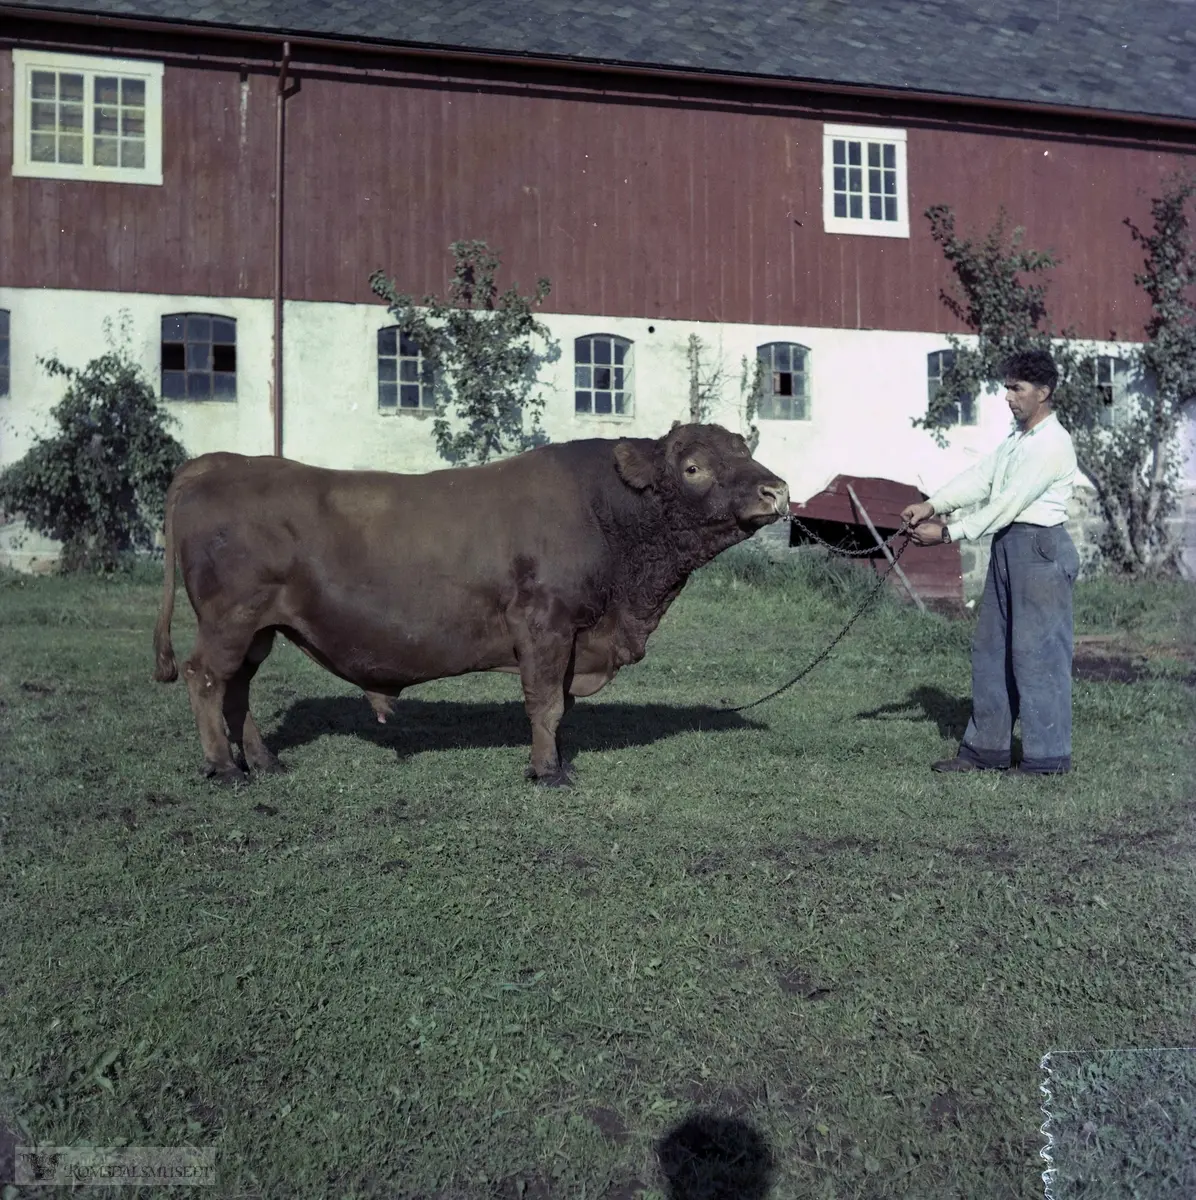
132,154
70,149
618,377
967,410
602,377
891,156
70,87
199,385
199,329
224,358
4,353
620,351
427,375
890,183
3,322
840,179
581,402
44,85
602,402
42,147
839,152
224,385
855,179
853,154
387,395
107,121
621,402
172,329
224,331
946,359
583,377
387,370
890,208
4,381
875,208
409,395
780,358
386,341
601,350
199,356
105,152
174,385
132,91
874,182
581,350
782,383
173,356
409,370
107,90
840,205
857,207
873,154
408,346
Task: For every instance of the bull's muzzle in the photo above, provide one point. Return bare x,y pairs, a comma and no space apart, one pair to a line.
777,495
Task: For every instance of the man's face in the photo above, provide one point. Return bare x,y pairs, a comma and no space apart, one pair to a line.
1026,400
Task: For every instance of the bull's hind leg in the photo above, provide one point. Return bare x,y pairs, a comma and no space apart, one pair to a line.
214,662
242,728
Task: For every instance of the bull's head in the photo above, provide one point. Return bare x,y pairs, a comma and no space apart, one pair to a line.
710,471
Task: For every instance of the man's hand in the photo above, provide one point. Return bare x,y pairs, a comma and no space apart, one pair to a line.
915,514
929,533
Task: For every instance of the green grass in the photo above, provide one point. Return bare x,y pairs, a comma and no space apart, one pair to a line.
399,970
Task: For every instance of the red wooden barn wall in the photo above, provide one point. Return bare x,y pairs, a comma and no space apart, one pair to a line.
684,208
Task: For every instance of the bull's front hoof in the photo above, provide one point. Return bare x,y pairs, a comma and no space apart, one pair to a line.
226,776
566,769
555,779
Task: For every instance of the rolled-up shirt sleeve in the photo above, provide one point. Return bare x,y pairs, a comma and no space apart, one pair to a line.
1039,467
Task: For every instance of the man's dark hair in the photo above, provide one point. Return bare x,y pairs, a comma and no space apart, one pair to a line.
1032,366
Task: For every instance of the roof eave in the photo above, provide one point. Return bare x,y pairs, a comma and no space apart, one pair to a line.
608,67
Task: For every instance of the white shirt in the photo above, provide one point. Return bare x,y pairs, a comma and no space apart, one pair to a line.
1029,477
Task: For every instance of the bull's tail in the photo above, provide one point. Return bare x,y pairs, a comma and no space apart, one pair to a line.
165,669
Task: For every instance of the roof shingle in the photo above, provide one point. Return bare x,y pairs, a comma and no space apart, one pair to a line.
1103,54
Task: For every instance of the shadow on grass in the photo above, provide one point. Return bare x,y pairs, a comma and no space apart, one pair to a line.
950,713
419,725
714,1157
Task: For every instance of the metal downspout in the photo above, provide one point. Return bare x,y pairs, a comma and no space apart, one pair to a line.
279,134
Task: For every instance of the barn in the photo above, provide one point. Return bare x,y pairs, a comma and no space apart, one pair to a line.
227,176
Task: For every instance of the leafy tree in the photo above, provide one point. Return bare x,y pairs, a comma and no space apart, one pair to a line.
99,484
1133,463
478,343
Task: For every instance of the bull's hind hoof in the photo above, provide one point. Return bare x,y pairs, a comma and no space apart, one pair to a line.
226,776
555,779
270,766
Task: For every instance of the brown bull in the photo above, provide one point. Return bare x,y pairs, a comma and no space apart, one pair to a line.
554,565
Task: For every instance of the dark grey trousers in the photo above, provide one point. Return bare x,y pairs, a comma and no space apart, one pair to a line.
1021,651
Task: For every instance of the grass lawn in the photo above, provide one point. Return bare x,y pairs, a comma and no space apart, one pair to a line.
400,970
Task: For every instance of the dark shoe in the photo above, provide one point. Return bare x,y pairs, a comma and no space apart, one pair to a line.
1019,770
961,764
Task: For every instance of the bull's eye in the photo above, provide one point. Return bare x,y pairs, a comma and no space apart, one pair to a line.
691,469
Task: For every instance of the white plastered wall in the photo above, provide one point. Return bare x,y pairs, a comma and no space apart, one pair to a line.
865,388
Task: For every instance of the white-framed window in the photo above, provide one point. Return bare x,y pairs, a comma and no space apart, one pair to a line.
602,375
938,363
785,394
1112,376
4,352
405,377
199,357
864,181
76,116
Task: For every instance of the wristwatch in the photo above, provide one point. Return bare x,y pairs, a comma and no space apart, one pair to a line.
946,536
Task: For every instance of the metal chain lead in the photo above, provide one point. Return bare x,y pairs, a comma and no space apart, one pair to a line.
842,632
836,549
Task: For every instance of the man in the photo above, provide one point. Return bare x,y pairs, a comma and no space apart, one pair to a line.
1022,648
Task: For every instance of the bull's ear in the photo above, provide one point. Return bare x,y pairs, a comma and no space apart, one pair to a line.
674,425
636,467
